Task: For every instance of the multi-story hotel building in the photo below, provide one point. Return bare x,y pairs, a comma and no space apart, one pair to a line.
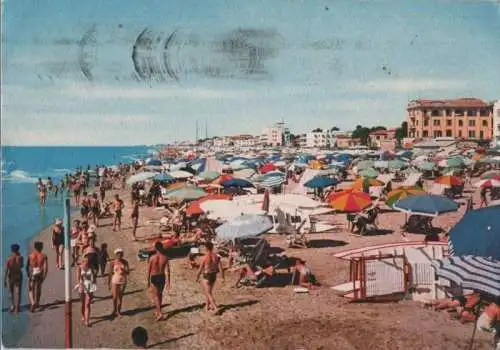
496,124
465,118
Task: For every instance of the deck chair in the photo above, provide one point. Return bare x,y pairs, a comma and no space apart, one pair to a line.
437,189
298,238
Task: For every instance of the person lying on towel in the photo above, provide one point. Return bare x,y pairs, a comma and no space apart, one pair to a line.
463,304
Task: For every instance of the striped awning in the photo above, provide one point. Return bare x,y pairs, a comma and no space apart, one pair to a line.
273,181
471,272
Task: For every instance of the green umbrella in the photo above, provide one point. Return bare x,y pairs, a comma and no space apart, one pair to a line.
209,175
396,164
186,193
370,173
454,162
427,166
365,164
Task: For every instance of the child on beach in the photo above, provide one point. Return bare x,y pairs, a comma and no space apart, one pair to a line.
13,277
103,258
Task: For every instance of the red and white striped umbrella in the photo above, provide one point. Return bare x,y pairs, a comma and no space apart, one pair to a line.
488,183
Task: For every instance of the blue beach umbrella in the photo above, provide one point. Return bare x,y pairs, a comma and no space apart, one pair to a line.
140,177
244,226
163,177
235,182
186,193
154,162
209,175
426,205
273,181
477,233
320,182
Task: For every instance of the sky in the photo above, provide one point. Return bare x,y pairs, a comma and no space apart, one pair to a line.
71,75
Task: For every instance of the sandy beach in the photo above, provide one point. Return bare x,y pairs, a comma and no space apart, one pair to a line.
265,318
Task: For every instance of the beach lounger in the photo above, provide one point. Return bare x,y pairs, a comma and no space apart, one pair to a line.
366,219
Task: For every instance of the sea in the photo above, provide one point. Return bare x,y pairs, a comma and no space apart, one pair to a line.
22,217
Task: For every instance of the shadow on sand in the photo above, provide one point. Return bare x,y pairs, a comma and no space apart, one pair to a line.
325,243
172,340
224,307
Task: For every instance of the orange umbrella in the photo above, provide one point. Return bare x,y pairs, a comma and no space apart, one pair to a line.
176,185
349,200
449,180
365,181
195,209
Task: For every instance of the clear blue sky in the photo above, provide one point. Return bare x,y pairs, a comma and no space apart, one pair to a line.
329,63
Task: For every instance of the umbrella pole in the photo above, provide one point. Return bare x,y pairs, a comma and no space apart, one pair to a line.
471,345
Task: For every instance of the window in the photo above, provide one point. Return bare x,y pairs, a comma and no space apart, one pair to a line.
416,122
472,113
472,122
485,123
485,112
481,135
448,122
459,112
425,133
436,122
448,133
459,133
448,112
472,134
460,123
435,113
426,112
426,122
438,133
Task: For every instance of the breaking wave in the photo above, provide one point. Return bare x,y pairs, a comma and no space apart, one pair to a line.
20,176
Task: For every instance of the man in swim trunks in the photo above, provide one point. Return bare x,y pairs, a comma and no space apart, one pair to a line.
117,206
37,269
158,276
13,277
43,194
135,217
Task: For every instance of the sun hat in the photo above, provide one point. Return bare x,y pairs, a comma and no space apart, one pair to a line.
59,221
118,250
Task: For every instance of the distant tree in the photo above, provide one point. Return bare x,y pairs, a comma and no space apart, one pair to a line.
376,128
363,134
317,130
334,128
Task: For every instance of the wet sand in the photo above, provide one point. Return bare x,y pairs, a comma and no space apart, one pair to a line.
265,318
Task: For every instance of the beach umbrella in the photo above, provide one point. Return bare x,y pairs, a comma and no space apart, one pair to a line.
381,164
363,182
163,177
139,177
320,182
471,272
209,175
370,173
491,174
180,174
273,181
365,164
349,200
427,166
176,186
244,226
235,182
244,173
222,179
267,168
449,181
454,162
327,172
154,162
402,192
426,205
477,233
488,183
186,193
396,164
194,207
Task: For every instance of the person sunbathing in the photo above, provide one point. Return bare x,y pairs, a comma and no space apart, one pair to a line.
305,277
463,304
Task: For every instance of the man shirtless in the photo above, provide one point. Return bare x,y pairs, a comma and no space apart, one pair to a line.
158,276
37,269
117,206
42,191
13,277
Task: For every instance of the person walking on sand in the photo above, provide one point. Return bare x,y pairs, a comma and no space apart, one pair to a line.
210,266
135,218
117,206
58,242
158,277
36,269
119,270
13,277
87,287
484,200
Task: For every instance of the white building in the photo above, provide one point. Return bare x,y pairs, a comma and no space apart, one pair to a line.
273,136
319,139
496,124
244,141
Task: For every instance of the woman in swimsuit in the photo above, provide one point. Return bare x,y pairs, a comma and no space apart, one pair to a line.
58,242
87,287
135,217
119,269
117,208
76,191
43,194
85,209
210,266
96,209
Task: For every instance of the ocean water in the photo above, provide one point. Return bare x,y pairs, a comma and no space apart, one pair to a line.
22,216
